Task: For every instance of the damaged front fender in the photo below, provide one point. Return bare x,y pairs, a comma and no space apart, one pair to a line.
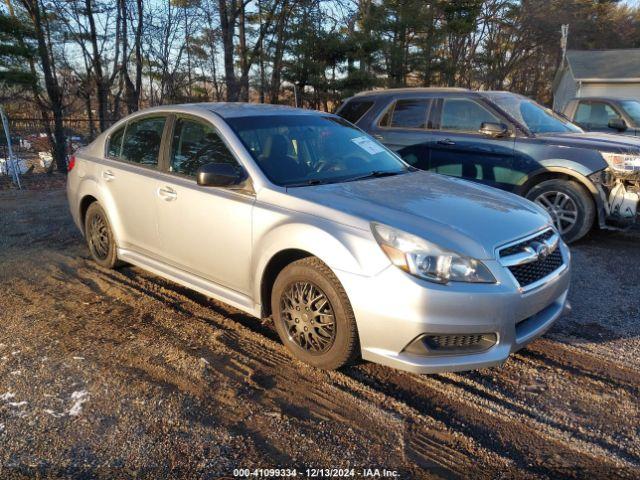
619,193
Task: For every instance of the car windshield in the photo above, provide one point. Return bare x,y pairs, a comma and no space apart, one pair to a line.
632,107
298,150
535,117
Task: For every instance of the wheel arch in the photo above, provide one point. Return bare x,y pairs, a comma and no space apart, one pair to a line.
85,202
276,264
564,173
551,173
91,191
347,250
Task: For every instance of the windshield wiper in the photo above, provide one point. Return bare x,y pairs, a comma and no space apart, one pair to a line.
325,181
375,174
308,183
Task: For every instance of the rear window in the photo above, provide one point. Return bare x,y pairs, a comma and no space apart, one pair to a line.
115,143
354,110
409,113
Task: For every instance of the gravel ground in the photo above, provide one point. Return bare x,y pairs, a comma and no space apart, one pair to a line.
121,373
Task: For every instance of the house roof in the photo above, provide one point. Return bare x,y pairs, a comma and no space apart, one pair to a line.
621,65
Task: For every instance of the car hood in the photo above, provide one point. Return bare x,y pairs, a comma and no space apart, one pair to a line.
465,217
597,141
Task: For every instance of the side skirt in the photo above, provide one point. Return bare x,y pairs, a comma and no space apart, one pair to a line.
186,279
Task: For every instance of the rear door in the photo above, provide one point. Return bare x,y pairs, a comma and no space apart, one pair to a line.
461,151
130,174
205,231
405,128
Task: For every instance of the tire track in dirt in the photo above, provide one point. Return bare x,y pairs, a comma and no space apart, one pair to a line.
492,403
215,358
425,445
425,441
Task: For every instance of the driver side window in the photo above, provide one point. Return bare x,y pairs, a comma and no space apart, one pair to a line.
195,144
464,115
594,114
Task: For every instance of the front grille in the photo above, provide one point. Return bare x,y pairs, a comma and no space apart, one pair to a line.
513,249
528,273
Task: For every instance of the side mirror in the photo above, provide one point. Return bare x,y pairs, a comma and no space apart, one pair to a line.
618,124
492,129
220,175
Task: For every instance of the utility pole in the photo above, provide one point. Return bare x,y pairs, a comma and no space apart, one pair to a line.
564,30
12,160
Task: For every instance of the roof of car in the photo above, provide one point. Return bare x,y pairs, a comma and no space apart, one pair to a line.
607,99
396,91
238,109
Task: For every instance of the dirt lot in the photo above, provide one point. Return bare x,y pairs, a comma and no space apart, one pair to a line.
120,373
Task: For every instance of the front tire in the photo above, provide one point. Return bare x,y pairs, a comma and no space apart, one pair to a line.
99,236
313,315
571,207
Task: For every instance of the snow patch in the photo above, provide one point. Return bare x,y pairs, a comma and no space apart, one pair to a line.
52,413
7,396
17,404
79,397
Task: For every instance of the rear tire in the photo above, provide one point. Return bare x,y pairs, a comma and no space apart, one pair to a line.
569,204
99,236
313,315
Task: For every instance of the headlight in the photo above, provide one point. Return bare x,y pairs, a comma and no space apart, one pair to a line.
426,260
622,162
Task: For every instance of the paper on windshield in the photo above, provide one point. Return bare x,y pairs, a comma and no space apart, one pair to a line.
368,145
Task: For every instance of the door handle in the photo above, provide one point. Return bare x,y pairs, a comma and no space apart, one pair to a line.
108,175
377,136
446,141
167,193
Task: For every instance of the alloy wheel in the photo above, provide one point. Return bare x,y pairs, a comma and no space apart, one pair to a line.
98,235
308,317
561,207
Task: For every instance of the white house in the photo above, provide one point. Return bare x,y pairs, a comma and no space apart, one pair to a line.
597,73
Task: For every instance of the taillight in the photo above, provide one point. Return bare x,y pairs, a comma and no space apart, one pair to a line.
71,163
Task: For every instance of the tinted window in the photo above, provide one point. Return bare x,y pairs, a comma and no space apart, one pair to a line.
407,114
353,110
530,114
142,140
465,115
308,149
594,114
632,107
115,143
196,144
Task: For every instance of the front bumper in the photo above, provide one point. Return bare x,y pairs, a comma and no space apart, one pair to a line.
393,309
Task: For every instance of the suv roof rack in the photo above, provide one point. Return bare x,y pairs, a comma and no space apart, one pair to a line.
411,90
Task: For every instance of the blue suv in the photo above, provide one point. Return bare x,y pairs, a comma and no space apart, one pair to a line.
510,142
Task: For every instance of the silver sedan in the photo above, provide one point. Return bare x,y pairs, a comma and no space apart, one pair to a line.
300,216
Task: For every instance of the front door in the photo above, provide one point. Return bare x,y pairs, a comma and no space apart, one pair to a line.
205,231
460,150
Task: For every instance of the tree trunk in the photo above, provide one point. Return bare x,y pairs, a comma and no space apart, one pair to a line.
278,53
51,84
227,27
101,86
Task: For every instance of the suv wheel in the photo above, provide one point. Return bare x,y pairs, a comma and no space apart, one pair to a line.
100,237
313,315
569,205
